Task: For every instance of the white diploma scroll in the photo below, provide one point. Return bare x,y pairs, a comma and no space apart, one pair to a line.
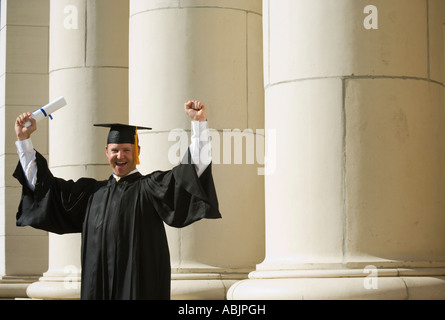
46,110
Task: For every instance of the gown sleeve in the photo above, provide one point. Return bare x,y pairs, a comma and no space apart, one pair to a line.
55,205
180,197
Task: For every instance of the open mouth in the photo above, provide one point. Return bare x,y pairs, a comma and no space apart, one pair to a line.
120,164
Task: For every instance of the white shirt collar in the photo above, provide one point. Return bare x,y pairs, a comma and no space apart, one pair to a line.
116,177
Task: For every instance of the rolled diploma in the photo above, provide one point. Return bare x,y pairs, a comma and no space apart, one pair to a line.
47,110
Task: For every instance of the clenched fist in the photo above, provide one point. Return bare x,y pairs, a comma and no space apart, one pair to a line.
196,110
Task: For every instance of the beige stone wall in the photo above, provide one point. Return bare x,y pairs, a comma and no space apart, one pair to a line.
23,87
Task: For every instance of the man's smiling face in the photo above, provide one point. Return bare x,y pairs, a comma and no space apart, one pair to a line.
121,158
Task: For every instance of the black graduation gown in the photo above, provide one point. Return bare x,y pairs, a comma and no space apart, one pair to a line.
124,245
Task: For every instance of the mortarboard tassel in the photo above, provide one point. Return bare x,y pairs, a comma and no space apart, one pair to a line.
136,147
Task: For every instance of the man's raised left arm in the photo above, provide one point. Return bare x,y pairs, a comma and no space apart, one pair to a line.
200,144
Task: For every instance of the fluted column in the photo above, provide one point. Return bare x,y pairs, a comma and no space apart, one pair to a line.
89,67
355,206
209,51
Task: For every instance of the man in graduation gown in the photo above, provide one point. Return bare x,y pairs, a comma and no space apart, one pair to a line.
125,253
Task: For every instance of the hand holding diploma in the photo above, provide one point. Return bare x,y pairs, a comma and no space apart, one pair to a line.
21,130
26,123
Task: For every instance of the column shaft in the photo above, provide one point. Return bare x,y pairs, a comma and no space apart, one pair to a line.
209,51
89,67
359,185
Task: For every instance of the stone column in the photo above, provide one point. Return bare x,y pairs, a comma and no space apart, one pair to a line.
23,87
89,67
355,206
210,51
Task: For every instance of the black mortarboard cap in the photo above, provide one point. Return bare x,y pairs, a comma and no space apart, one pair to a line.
121,133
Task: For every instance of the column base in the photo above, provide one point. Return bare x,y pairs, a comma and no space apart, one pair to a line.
15,287
203,286
394,284
56,286
52,290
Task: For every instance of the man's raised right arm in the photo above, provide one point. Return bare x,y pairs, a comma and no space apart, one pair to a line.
25,149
